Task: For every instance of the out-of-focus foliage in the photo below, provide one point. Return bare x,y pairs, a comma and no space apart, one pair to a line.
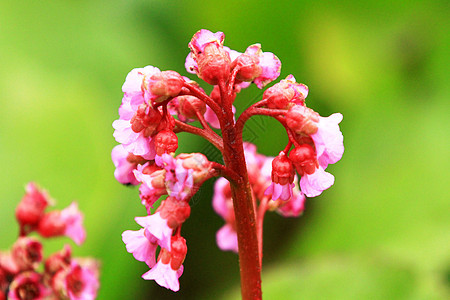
381,232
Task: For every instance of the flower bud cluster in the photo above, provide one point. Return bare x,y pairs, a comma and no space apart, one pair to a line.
261,179
25,274
317,141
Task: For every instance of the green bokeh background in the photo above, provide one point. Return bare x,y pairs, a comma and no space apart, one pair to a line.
381,232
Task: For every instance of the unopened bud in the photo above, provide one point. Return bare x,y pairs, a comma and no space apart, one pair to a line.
279,96
145,118
52,224
58,261
174,211
198,163
166,141
282,170
302,119
249,67
304,159
213,64
189,106
31,209
164,85
178,252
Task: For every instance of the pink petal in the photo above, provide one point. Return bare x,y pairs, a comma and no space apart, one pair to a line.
226,238
313,185
141,248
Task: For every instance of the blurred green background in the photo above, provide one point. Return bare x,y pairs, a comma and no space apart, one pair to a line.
381,232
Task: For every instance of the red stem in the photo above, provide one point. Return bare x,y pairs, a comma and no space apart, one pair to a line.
244,210
208,135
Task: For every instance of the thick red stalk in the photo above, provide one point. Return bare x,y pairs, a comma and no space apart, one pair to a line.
244,210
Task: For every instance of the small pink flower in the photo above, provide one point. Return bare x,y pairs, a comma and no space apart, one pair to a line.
279,191
124,168
153,184
142,248
204,37
165,276
313,184
73,219
27,285
134,142
132,87
328,140
156,228
226,238
179,179
269,63
293,207
27,253
169,266
77,282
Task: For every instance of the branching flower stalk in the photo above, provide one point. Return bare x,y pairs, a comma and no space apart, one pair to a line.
159,104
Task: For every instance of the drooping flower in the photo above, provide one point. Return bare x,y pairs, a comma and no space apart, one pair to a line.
142,247
282,178
328,140
169,266
125,165
153,181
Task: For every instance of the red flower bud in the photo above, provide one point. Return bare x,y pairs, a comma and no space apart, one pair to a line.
31,209
213,64
178,252
304,159
174,211
164,85
166,141
302,120
189,105
145,118
282,170
52,225
249,67
279,95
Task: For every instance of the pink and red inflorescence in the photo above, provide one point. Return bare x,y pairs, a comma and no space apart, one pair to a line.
25,274
159,104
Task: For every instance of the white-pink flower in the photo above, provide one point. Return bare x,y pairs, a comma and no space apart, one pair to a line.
179,180
269,63
153,185
81,282
73,220
134,142
226,238
295,206
313,185
124,169
142,247
156,228
328,140
280,191
165,276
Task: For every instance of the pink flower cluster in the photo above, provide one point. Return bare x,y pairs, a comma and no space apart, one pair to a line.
24,274
317,142
159,104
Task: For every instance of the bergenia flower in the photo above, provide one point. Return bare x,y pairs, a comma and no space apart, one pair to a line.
165,276
73,219
268,62
153,184
313,184
295,206
328,140
156,228
124,168
142,247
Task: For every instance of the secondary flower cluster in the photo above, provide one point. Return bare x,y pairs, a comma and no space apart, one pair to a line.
159,104
25,274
